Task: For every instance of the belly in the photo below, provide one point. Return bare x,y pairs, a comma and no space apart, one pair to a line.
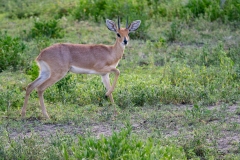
83,70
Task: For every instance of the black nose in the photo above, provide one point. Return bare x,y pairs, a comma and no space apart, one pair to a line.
125,41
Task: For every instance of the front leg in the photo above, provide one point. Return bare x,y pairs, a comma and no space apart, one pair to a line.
117,73
106,82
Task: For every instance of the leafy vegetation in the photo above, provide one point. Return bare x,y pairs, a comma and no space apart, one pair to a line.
177,96
210,9
11,52
122,145
49,29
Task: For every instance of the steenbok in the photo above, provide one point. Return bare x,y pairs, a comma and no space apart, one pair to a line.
55,61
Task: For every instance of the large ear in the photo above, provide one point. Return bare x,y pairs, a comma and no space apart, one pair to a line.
134,26
111,25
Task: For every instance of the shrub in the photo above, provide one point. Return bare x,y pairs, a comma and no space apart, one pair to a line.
204,7
27,8
210,9
11,97
174,32
48,29
122,145
11,52
33,71
231,10
21,9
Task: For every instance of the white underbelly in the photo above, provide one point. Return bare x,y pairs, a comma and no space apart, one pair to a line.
83,70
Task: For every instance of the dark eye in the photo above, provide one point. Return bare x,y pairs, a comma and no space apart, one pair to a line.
118,35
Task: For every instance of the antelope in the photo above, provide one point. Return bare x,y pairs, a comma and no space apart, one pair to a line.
57,60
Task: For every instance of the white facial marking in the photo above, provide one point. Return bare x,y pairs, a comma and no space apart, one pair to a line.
123,45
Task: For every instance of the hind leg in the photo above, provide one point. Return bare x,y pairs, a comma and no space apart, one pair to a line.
44,75
41,88
30,88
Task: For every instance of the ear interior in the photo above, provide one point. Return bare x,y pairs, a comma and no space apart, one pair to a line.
111,25
134,26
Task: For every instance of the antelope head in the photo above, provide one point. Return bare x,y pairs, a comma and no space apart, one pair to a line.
122,33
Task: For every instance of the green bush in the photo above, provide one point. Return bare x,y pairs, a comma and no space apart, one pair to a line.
21,9
210,9
164,8
231,10
122,145
28,8
11,52
198,8
174,32
50,29
33,71
11,97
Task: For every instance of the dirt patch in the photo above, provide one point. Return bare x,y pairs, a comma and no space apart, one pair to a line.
227,141
47,130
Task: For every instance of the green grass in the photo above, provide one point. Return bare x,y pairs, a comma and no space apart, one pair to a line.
177,96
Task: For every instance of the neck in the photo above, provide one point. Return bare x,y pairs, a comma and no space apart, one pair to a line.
119,49
119,46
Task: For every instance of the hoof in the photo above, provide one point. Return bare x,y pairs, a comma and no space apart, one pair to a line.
46,116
